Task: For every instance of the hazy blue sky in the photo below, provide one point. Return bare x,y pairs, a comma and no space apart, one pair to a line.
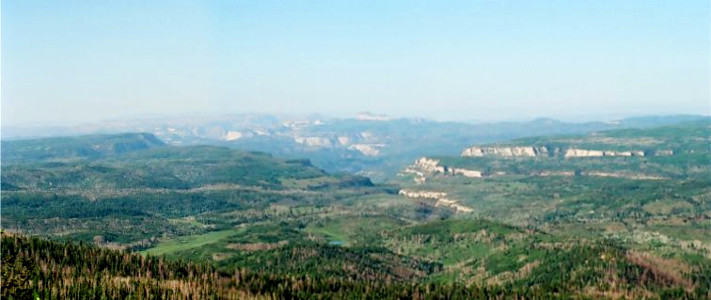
78,61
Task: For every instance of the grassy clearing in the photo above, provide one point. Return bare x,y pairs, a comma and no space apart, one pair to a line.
188,242
353,230
332,234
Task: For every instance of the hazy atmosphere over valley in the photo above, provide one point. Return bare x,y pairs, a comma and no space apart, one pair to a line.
355,149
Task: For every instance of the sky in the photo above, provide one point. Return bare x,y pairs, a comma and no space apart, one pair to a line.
73,62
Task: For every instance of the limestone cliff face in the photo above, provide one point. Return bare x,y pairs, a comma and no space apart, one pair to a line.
422,194
315,141
574,152
425,166
466,173
506,151
542,151
429,165
439,198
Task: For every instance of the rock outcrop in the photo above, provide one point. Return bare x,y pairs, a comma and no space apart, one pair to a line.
367,149
424,167
467,173
422,194
575,152
233,135
314,141
440,199
543,151
664,153
429,165
506,151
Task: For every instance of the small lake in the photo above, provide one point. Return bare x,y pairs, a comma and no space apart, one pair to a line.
339,243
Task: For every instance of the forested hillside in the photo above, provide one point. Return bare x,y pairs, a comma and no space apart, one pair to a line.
64,148
36,268
135,197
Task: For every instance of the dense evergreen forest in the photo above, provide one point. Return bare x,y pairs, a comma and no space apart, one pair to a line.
33,267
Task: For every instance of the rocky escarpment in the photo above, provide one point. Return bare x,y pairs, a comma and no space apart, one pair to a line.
315,141
574,152
367,149
424,167
440,199
529,151
545,151
365,143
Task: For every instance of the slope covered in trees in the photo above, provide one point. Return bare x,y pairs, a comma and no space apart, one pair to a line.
63,148
128,197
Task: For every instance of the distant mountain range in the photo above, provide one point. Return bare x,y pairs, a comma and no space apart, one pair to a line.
370,145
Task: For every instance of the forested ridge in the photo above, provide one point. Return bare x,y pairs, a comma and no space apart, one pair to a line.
33,267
